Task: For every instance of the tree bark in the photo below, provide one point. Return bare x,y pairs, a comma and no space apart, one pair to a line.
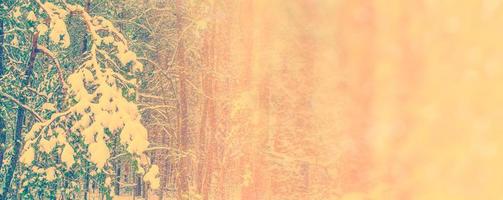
3,134
183,180
208,122
18,140
212,140
117,178
138,189
202,137
1,48
3,143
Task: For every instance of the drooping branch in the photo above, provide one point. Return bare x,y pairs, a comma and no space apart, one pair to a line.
52,56
90,110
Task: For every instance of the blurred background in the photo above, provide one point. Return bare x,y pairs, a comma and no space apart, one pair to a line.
377,99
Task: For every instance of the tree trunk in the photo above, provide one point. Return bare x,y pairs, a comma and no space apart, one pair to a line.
3,134
248,192
208,122
184,136
1,48
18,140
183,185
3,143
212,140
202,137
138,190
117,178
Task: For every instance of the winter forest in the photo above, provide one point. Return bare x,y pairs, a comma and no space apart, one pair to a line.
153,100
250,99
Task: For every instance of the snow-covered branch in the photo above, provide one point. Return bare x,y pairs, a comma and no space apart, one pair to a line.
14,100
53,57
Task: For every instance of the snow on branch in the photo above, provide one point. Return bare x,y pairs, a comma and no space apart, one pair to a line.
11,98
52,56
96,107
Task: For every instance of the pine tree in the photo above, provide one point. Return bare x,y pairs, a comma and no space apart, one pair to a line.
84,112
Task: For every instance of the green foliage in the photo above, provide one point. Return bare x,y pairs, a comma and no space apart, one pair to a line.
51,94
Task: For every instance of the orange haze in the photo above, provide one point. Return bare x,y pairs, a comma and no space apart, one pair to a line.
359,99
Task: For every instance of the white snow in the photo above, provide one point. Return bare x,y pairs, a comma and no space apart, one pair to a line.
108,40
42,29
50,174
59,34
47,145
99,153
15,41
67,156
28,156
48,106
17,12
108,181
134,136
93,111
152,177
31,16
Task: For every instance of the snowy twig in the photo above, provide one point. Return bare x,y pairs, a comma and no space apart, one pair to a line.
51,55
11,98
148,60
43,8
157,106
117,156
37,92
44,124
151,96
107,57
